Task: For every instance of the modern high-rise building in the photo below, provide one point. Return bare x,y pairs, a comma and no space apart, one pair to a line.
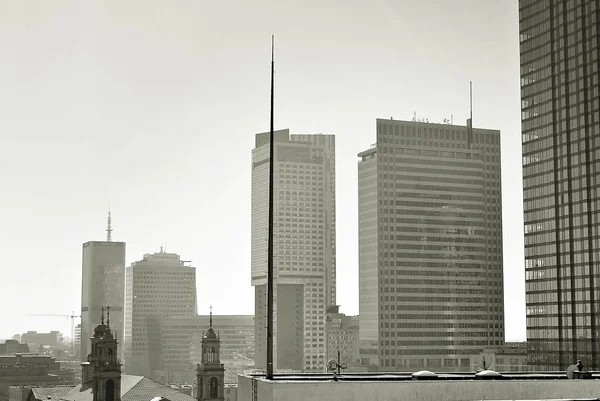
157,287
304,246
102,284
430,246
182,346
561,163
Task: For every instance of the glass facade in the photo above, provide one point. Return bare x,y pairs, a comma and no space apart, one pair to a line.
102,284
561,160
430,246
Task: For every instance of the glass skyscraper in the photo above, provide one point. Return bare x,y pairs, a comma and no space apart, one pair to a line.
561,160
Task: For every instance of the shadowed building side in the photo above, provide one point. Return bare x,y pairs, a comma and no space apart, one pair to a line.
560,115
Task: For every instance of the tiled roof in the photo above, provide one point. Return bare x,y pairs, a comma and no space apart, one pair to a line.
45,393
147,389
133,388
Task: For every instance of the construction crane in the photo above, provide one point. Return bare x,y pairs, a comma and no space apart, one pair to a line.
72,316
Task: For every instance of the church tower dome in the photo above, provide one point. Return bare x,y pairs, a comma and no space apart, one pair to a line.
210,373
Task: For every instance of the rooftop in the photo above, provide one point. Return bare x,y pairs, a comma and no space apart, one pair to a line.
422,386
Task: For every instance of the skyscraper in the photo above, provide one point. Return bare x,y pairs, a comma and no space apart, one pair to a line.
157,287
430,246
561,162
304,246
102,284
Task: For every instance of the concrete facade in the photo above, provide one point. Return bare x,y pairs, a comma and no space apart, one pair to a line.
342,336
447,390
430,246
304,246
158,287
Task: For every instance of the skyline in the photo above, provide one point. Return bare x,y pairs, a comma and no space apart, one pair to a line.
175,120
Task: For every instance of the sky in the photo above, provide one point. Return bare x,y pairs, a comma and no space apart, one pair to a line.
151,107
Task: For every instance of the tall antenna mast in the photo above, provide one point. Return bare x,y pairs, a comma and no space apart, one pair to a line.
470,120
109,229
270,242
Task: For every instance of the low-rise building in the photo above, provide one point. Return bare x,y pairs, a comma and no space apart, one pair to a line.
512,357
342,336
10,347
51,339
31,370
230,392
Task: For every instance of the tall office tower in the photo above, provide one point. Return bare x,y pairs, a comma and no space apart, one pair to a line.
561,162
430,246
304,246
102,284
157,287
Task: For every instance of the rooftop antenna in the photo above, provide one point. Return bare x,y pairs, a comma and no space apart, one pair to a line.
109,229
470,120
269,373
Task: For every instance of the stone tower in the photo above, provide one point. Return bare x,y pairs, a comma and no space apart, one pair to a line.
210,374
104,365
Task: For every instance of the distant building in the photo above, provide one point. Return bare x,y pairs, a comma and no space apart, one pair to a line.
430,246
183,388
304,246
13,347
102,284
342,335
230,392
182,346
29,369
561,164
159,286
102,379
77,341
512,358
52,339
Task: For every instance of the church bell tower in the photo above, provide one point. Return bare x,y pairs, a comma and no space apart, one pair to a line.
210,374
105,366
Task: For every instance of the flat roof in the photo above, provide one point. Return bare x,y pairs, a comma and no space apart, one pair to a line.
408,376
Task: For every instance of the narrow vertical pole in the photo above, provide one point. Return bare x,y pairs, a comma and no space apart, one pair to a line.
270,243
471,101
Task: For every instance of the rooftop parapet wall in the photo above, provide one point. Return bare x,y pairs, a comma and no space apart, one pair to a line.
377,388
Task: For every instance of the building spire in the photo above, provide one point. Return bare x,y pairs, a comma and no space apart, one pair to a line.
102,318
108,315
210,321
270,308
109,228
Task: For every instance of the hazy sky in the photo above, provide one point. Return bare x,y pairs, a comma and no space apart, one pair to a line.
152,106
